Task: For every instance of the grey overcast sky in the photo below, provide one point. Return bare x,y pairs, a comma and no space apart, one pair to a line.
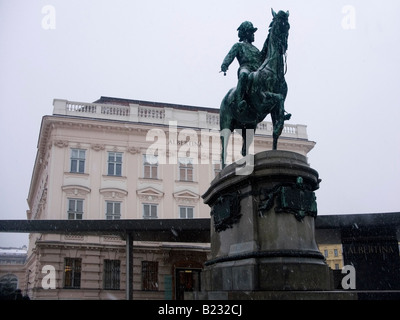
343,77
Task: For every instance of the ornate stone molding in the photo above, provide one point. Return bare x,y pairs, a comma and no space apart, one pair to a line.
74,237
150,194
186,197
98,147
133,150
112,238
226,211
61,143
113,193
296,198
75,190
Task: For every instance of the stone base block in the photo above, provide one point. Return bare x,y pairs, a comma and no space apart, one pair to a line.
267,274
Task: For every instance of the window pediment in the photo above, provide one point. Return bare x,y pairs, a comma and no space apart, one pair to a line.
149,194
113,193
186,197
76,190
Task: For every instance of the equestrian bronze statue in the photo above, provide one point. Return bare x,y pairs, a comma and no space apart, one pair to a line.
261,88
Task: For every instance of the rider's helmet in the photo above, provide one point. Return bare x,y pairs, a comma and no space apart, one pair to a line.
244,29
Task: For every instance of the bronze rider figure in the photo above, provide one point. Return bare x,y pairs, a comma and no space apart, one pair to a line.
249,58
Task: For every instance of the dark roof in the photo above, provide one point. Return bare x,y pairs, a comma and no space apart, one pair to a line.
171,230
340,221
126,102
328,227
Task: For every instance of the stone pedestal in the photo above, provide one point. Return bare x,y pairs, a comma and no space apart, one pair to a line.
262,228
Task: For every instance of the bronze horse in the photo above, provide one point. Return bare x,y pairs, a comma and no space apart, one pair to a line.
266,92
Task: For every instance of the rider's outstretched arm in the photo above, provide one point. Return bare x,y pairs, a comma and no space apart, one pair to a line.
230,57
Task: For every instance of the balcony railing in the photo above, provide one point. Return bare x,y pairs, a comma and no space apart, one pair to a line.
162,115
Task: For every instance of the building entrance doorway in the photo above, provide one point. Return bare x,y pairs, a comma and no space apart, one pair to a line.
187,280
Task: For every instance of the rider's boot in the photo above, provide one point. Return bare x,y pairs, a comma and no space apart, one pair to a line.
287,116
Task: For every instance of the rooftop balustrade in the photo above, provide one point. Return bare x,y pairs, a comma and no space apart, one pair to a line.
195,117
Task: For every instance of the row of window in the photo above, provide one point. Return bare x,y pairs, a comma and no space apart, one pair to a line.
335,253
113,210
78,158
150,165
111,274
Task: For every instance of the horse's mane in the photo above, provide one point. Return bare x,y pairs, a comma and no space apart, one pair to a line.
268,38
279,16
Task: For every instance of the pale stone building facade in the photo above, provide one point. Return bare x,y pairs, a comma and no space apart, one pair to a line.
333,254
126,159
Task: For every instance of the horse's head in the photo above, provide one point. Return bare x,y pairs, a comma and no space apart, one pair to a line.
279,30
